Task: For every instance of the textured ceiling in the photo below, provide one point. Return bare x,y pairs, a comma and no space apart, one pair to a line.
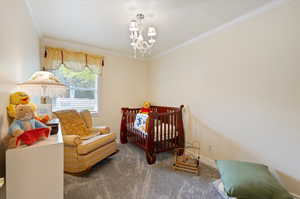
104,23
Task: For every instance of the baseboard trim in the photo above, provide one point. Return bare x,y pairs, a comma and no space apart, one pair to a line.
208,161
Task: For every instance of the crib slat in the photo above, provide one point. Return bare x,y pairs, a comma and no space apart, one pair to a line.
132,124
156,138
175,129
129,121
168,137
144,138
158,132
161,132
164,133
172,129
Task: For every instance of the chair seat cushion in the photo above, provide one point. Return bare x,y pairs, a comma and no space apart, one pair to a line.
95,142
249,180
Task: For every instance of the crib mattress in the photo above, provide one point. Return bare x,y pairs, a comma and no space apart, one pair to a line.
161,132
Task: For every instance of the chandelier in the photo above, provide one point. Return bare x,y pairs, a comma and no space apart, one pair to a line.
137,40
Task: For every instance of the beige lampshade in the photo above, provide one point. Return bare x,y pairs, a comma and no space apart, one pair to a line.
43,83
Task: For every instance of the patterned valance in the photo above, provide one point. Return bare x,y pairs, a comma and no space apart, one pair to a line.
76,61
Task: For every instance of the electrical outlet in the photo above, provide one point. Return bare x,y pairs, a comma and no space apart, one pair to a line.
210,148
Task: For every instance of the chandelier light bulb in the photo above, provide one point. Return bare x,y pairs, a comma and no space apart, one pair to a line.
141,38
133,26
132,44
152,41
131,36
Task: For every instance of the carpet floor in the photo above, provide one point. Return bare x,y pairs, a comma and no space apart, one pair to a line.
127,175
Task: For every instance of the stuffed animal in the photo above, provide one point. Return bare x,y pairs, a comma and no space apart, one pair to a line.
25,128
142,118
18,98
146,108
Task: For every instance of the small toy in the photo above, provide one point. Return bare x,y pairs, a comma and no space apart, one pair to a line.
18,98
146,108
188,158
21,98
142,118
24,122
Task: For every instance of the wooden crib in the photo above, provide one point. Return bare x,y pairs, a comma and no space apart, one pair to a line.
164,133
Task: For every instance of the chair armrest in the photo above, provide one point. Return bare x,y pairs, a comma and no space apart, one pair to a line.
72,140
100,130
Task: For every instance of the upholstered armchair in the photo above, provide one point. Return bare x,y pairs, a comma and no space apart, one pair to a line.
84,144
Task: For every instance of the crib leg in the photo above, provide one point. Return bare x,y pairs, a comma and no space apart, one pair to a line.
151,157
123,138
180,151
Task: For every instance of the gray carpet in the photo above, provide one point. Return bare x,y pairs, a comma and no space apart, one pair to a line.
128,176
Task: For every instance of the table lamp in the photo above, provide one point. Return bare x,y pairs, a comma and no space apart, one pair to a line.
44,84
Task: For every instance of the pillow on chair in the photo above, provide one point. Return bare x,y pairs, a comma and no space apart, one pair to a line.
87,117
72,123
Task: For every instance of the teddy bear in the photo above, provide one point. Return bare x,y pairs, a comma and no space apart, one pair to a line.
25,128
18,98
146,108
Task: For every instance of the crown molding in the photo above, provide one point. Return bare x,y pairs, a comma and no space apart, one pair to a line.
249,15
59,42
34,21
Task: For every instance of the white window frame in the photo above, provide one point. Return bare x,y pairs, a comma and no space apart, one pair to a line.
95,113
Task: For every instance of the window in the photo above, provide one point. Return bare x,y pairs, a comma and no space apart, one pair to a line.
82,92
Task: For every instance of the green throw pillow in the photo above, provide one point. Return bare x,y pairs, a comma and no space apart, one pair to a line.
245,180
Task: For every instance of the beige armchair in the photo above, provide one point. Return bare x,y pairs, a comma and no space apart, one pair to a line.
84,145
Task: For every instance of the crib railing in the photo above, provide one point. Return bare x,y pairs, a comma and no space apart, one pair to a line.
165,129
166,132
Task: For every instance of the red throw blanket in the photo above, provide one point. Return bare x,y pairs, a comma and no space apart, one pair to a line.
32,136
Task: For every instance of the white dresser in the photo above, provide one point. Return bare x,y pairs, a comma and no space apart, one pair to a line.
37,171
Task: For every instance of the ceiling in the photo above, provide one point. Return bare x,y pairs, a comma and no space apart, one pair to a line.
104,23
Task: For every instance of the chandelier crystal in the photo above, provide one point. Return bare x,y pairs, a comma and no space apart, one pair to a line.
137,40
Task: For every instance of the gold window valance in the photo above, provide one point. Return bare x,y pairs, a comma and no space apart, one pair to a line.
76,61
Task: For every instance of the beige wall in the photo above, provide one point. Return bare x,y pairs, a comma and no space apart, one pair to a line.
240,87
123,82
19,55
